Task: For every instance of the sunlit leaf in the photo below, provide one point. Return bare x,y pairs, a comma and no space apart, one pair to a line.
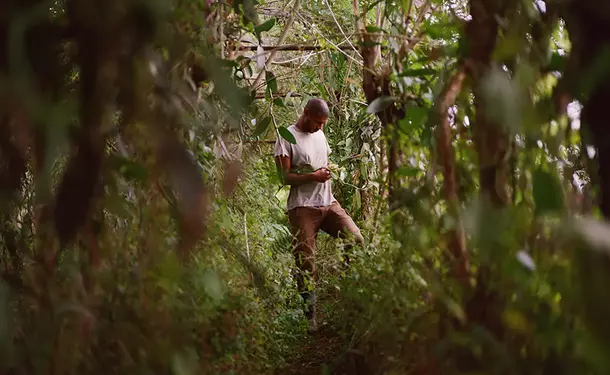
405,5
357,202
380,104
374,29
515,320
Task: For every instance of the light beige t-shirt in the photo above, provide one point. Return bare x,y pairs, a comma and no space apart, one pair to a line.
310,152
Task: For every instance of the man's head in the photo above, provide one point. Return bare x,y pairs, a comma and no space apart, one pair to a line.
314,115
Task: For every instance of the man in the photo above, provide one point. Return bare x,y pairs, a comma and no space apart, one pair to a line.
311,205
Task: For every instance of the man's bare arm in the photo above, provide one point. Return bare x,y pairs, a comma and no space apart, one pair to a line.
295,179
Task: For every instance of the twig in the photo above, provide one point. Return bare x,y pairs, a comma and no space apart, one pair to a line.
378,23
308,47
246,235
408,44
422,13
340,28
221,28
297,58
358,17
293,14
337,47
384,185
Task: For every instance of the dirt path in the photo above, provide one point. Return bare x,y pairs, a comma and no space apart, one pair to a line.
322,352
317,354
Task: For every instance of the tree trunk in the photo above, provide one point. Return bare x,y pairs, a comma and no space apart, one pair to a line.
457,237
491,142
483,306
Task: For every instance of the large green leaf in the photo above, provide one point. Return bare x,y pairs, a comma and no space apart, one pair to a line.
287,135
406,6
508,47
271,83
557,62
375,29
416,117
548,194
440,30
265,26
249,12
261,126
418,72
130,170
278,102
380,104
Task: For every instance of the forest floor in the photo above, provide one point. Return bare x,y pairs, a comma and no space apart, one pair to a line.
320,353
317,355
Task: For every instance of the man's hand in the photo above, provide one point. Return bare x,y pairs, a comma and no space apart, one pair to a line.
296,179
321,175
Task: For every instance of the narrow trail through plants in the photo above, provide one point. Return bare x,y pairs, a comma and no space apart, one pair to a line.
317,354
322,352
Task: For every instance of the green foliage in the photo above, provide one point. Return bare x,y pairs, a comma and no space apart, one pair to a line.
286,134
142,229
547,192
380,104
261,126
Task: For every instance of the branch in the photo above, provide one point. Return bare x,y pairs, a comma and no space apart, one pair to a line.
295,9
289,47
409,44
262,95
337,47
341,29
445,150
357,17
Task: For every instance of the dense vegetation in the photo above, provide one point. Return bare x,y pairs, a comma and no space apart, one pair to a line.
142,223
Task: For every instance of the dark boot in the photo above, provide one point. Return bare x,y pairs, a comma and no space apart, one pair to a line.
310,310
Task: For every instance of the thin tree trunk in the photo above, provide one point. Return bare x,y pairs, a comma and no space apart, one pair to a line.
445,149
483,304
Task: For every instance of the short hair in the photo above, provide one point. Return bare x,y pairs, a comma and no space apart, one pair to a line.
317,106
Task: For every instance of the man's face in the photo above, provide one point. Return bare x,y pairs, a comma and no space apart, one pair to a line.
314,122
